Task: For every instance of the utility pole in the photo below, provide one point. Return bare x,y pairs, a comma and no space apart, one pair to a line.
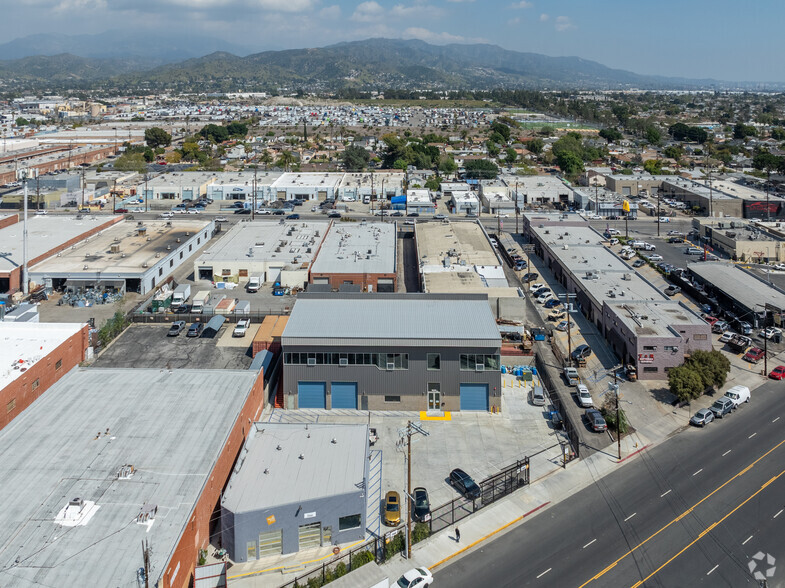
409,492
25,286
146,560
253,198
145,190
618,423
83,187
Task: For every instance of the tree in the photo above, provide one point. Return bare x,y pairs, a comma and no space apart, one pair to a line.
433,184
766,161
673,151
286,159
742,131
237,129
157,137
131,162
653,135
653,166
497,138
777,133
570,163
712,366
502,130
355,158
447,165
512,155
214,133
22,122
611,135
685,383
492,149
535,145
481,169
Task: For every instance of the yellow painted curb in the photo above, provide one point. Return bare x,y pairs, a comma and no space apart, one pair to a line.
424,417
305,563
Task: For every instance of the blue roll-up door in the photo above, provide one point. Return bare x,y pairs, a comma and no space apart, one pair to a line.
311,395
344,394
474,397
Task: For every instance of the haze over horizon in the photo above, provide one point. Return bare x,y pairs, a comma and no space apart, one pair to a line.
698,39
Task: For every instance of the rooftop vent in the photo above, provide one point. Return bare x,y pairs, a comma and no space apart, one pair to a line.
147,514
125,472
301,456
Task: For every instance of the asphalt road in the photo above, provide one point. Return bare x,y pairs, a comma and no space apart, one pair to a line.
692,511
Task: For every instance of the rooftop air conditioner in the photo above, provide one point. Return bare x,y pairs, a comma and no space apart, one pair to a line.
311,361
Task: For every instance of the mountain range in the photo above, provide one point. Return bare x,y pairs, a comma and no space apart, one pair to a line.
130,62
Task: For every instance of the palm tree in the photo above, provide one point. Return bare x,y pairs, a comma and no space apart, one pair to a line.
266,158
285,160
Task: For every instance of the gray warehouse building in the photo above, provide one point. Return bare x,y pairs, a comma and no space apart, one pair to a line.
392,352
296,486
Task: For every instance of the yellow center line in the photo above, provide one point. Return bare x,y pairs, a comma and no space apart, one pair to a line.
694,541
681,516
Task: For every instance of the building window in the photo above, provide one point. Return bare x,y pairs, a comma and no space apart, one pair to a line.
34,385
11,405
171,263
190,247
700,336
349,522
181,255
434,361
160,271
59,364
250,546
650,348
671,348
650,369
226,272
392,398
478,362
198,240
243,273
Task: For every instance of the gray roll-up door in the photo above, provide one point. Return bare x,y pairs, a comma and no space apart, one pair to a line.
310,535
270,543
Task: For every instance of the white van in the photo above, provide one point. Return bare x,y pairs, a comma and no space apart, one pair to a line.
254,284
638,244
738,394
367,199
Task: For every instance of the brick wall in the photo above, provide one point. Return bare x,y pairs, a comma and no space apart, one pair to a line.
179,570
365,280
20,393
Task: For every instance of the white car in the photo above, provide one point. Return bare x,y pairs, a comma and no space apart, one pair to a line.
241,328
220,219
613,231
779,266
584,397
727,336
594,217
536,286
192,211
665,219
770,332
655,257
542,299
263,211
167,214
415,578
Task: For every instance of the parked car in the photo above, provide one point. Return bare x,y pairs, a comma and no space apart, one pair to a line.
279,212
770,332
738,394
672,290
571,376
392,509
413,214
702,418
415,578
543,297
220,219
552,303
165,214
241,328
529,277
117,210
439,216
464,483
638,263
563,325
421,511
727,336
778,373
721,407
176,328
581,351
744,327
655,257
753,355
183,309
520,265
195,330
720,327
538,396
584,396
396,213
534,288
293,216
336,214
596,422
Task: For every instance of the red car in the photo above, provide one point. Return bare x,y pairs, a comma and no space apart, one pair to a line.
710,319
120,210
753,355
778,373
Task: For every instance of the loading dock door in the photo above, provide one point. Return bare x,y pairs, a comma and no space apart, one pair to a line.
311,395
344,395
270,543
310,535
474,397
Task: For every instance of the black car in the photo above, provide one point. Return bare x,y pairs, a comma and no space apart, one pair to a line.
239,204
243,211
422,506
334,214
552,303
581,352
176,328
183,309
279,212
195,330
530,277
294,216
396,213
464,483
413,214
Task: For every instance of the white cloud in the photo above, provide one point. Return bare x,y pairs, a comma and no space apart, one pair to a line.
416,10
514,21
285,5
460,1
368,11
438,38
333,11
563,23
544,17
522,4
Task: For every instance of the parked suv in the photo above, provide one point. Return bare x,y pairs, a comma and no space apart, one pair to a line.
722,406
464,483
584,397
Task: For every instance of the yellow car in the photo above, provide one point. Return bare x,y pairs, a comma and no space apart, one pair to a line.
556,314
392,509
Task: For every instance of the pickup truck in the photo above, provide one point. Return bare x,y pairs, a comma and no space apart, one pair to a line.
571,376
241,328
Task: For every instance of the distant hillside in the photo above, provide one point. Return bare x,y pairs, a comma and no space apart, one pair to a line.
363,65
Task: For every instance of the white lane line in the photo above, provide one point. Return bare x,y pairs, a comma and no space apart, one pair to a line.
545,572
775,420
746,540
698,472
665,493
779,513
751,436
727,452
712,569
629,517
589,543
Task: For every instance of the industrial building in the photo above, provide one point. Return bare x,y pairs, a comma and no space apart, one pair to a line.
177,186
462,202
33,356
272,250
110,460
364,254
239,185
47,236
294,487
307,186
643,326
539,191
383,185
742,240
392,352
129,256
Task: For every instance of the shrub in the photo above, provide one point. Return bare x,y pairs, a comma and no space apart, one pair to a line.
340,569
421,531
362,558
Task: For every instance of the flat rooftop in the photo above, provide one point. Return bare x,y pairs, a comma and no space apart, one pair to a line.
135,251
654,319
390,319
271,471
465,282
246,178
73,440
308,180
377,180
287,242
358,248
23,344
738,190
464,243
695,187
744,287
45,233
548,187
181,180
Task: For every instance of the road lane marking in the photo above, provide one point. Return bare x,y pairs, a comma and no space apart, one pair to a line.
678,518
747,540
712,569
775,420
779,513
727,452
589,543
751,436
545,572
665,493
629,517
698,472
708,529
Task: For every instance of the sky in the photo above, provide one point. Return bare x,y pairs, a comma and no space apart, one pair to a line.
729,40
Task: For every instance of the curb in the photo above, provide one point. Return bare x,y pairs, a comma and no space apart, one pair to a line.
633,454
489,535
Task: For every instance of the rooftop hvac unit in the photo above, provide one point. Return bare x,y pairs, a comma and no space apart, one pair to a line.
390,365
626,277
311,361
115,248
479,367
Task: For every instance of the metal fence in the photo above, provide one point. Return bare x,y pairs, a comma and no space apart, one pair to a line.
157,318
546,374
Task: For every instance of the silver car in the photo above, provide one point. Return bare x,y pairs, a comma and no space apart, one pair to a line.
702,418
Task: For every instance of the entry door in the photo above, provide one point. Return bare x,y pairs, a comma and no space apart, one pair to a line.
310,535
434,400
